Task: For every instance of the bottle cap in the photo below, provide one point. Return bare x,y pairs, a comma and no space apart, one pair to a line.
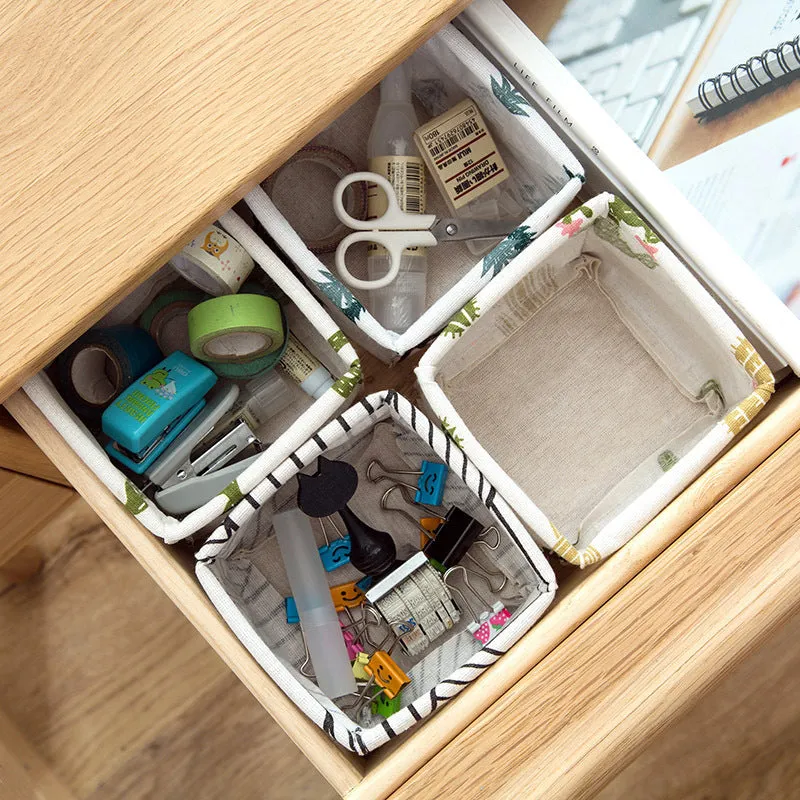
317,383
396,86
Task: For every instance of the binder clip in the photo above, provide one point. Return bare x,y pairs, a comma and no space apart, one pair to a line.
430,483
484,627
337,553
359,663
292,617
385,706
346,595
427,525
415,602
383,670
197,467
354,648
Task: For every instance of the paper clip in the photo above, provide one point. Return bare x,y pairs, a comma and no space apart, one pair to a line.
483,627
337,553
430,483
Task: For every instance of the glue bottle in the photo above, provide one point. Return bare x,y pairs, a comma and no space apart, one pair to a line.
392,153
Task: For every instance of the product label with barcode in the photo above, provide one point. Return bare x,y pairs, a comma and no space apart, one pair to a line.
461,154
407,176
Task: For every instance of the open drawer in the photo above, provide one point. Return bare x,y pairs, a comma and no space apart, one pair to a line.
581,595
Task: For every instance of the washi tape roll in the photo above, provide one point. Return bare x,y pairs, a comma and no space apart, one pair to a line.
214,262
302,190
235,329
100,365
166,319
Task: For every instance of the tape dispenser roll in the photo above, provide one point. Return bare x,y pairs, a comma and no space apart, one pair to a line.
214,262
100,365
166,319
236,329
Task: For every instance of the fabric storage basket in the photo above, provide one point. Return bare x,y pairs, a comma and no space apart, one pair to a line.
241,569
545,178
286,431
593,380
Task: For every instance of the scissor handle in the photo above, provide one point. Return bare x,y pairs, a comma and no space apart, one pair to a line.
393,219
394,241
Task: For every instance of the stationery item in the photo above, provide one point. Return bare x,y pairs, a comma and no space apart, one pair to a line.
347,595
321,630
337,553
354,647
461,155
292,617
235,329
301,191
393,156
760,46
359,667
196,466
396,230
453,538
327,492
430,484
151,413
100,364
720,183
304,368
426,525
486,625
384,706
386,673
214,262
165,319
415,603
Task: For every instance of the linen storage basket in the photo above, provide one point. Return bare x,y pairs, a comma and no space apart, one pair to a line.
593,380
545,178
241,569
286,431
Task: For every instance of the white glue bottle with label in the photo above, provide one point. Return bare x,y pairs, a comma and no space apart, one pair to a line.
392,153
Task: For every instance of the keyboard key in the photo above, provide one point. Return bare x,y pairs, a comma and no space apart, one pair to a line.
675,40
598,82
633,65
635,118
690,6
614,107
584,67
653,82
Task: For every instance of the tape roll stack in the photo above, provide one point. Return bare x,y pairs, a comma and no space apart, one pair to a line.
214,262
166,320
236,331
96,368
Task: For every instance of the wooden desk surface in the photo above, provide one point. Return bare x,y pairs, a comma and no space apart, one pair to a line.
129,124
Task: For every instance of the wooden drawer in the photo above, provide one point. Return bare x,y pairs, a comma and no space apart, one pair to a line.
581,594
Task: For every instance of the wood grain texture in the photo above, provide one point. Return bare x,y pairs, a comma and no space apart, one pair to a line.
740,742
172,569
682,136
582,714
581,593
121,694
27,504
23,773
19,454
130,124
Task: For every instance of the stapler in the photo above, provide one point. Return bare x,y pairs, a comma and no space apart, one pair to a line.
197,465
151,413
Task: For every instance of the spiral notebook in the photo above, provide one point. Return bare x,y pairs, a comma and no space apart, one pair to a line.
761,46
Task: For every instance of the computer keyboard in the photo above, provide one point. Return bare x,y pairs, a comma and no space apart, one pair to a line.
632,56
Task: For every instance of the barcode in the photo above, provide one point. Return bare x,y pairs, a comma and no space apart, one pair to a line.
415,188
454,136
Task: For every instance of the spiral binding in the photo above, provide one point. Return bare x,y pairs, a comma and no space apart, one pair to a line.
748,69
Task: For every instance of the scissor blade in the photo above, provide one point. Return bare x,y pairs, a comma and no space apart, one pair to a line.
457,230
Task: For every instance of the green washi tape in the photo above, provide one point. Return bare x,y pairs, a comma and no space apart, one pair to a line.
234,329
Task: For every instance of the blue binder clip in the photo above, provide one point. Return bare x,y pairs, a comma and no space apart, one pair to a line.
430,482
292,617
336,553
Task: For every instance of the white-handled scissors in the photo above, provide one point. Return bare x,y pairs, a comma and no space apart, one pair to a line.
396,230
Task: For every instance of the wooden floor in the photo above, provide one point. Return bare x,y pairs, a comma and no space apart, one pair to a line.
125,700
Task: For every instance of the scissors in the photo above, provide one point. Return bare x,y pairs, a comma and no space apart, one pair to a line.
396,230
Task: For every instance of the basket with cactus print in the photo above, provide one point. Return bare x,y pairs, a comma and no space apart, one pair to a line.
544,178
285,431
593,380
241,570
